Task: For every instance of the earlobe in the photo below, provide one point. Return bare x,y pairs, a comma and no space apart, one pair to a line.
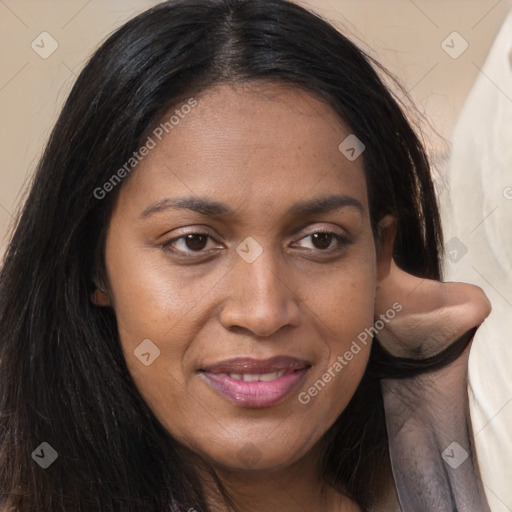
100,296
384,243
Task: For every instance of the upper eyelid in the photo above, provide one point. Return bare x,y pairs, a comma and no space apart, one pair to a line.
323,230
205,231
179,237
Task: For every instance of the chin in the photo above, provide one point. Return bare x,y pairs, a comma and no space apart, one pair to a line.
267,453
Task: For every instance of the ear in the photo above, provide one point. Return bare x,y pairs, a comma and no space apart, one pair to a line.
384,243
101,296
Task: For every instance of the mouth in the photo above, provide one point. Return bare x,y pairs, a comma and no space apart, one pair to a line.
256,383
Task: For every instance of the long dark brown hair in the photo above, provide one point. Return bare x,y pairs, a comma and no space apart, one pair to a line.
63,378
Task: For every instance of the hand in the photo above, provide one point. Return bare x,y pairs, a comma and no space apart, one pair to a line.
434,314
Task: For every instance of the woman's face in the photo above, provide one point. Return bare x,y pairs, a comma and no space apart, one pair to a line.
241,267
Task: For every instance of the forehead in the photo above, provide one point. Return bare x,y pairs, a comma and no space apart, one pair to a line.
269,142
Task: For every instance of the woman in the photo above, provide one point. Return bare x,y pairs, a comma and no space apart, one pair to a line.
223,291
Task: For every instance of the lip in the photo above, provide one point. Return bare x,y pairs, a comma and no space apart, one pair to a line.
250,365
256,394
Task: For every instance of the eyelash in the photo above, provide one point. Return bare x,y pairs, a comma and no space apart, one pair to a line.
342,243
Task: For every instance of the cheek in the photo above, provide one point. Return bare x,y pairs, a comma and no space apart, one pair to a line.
148,306
159,311
345,312
345,301
152,299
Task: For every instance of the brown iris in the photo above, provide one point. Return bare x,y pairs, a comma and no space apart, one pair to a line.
321,240
196,242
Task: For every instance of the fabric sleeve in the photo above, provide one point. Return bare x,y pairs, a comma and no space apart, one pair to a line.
431,442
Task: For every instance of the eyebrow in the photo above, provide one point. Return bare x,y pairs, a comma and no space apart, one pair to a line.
212,208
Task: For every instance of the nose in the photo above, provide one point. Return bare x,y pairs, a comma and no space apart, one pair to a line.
261,298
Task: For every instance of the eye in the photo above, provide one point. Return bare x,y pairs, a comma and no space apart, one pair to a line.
323,241
191,243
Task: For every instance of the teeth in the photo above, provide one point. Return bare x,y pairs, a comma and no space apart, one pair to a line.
253,377
250,377
270,376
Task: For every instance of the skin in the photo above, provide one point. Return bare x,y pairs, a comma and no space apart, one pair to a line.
259,151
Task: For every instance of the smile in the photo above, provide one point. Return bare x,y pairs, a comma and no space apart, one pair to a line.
252,383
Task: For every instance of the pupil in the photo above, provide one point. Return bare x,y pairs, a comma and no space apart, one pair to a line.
322,240
195,242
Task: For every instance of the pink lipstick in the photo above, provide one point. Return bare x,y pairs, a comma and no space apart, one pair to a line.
256,383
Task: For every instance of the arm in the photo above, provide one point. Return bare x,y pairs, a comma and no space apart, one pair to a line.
427,414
